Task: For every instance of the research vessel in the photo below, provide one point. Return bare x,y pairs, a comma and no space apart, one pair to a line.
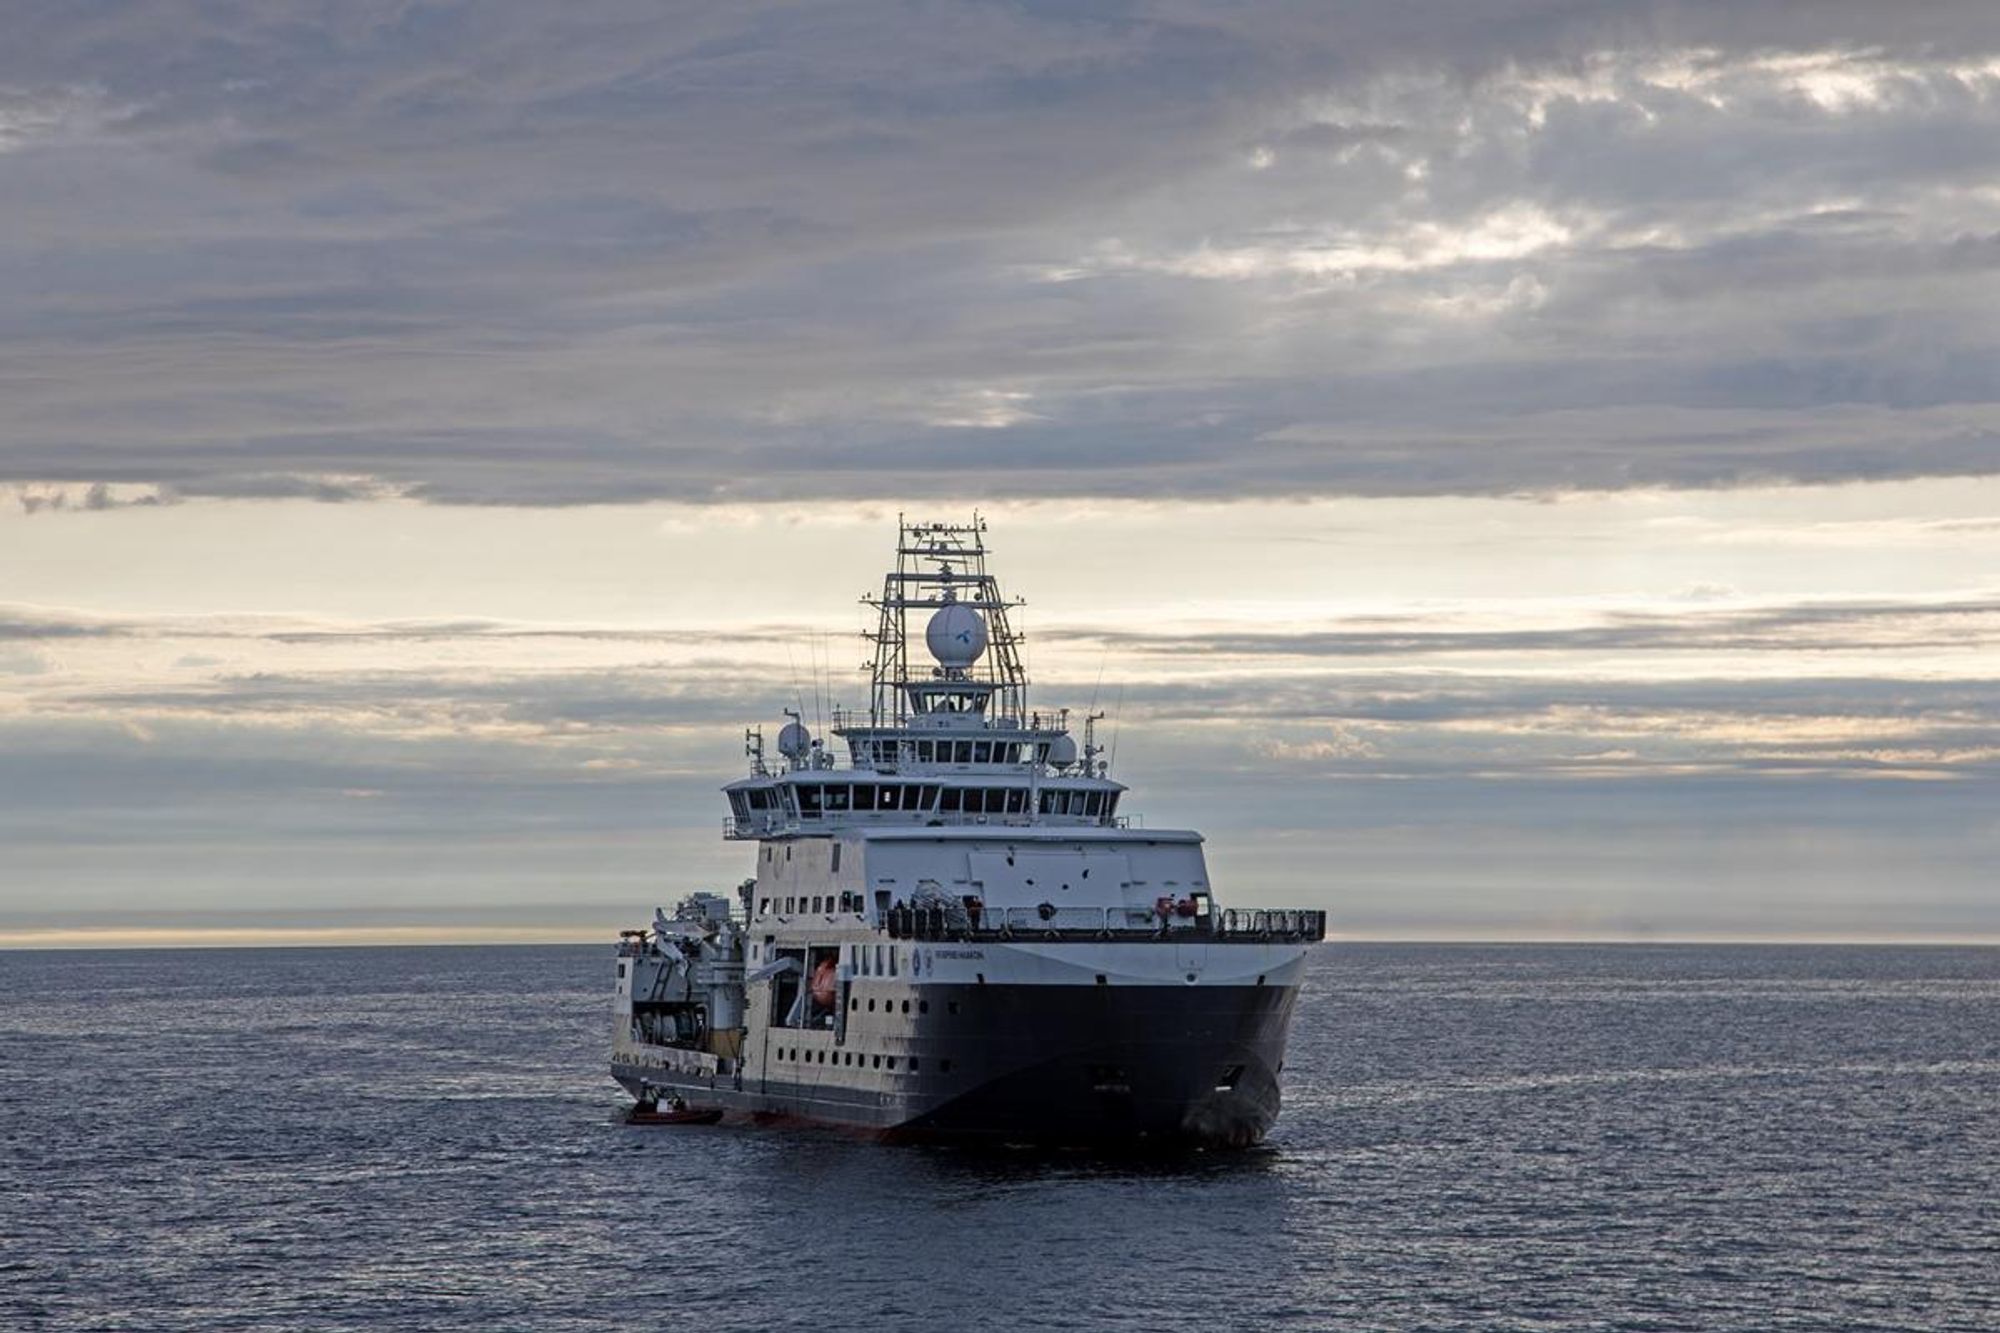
954,931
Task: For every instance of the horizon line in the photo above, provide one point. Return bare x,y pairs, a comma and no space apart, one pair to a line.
74,939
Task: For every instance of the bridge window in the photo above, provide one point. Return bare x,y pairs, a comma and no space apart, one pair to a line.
962,752
811,800
1017,801
837,798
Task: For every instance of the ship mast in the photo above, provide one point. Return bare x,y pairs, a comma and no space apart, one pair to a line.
979,676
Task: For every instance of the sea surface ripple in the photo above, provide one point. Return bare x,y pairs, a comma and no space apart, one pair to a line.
1520,1137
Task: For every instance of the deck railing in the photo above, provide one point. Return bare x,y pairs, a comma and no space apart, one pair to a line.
1234,925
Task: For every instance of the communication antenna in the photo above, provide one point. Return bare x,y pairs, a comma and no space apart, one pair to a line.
819,684
798,687
1117,724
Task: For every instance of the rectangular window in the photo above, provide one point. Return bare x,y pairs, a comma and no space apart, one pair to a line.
1017,800
927,799
836,799
811,801
982,752
962,752
953,800
892,962
1093,803
835,867
763,907
864,798
791,906
878,960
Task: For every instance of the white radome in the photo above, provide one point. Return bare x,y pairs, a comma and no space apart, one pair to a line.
794,740
1062,751
956,635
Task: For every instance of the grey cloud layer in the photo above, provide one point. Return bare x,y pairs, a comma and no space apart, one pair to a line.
1414,774
1825,687
504,253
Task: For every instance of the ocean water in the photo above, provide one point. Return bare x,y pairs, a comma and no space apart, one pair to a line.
1474,1138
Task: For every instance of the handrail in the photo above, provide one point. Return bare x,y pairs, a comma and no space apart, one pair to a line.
754,826
1233,926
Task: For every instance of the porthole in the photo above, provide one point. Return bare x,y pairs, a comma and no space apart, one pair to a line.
906,1006
871,1006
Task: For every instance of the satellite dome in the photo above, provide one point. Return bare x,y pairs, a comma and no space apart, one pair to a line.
794,741
956,635
1062,752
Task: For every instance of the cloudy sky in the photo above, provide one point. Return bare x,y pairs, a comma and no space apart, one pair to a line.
1512,468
